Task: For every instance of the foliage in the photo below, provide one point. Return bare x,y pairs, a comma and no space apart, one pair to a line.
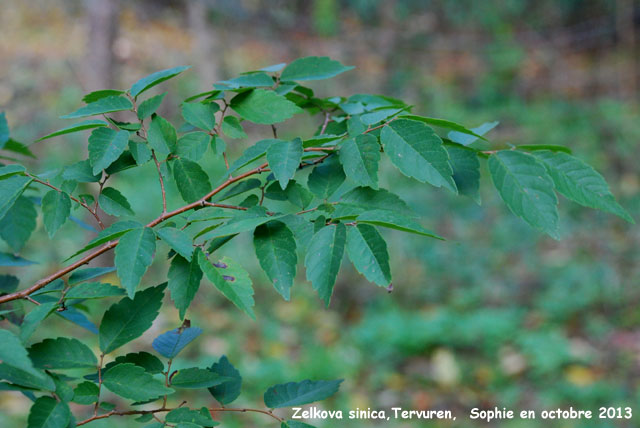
264,193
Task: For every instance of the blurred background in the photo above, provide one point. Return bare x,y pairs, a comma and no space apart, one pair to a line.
498,315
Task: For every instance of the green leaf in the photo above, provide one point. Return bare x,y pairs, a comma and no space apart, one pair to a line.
359,157
443,123
295,424
86,274
263,106
7,259
294,193
394,220
82,172
133,382
80,126
466,171
249,80
416,150
276,251
466,139
13,354
200,115
128,319
19,148
240,188
526,188
379,115
18,224
193,183
154,79
85,393
195,378
299,393
150,105
367,251
184,281
251,154
102,93
243,221
28,379
105,146
134,255
4,130
232,128
103,105
233,282
186,415
47,412
170,344
193,145
162,136
10,190
150,363
550,147
13,169
33,319
114,203
313,68
62,353
324,257
284,158
178,240
56,208
111,233
325,178
93,290
228,391
580,183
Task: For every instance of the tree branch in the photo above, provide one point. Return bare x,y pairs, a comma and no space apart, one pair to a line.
164,195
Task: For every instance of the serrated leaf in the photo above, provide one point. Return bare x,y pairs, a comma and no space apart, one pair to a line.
81,275
105,146
233,282
114,203
184,281
324,257
33,319
103,105
249,80
93,290
99,94
196,378
232,128
447,124
580,183
150,363
85,393
170,344
154,79
275,248
134,255
467,139
394,220
111,233
367,251
29,379
299,393
284,158
178,240
47,412
240,188
82,172
526,188
150,105
313,68
56,208
80,126
243,221
18,224
162,136
228,391
128,319
193,183
294,193
133,382
186,415
62,353
200,115
325,178
193,145
263,106
10,190
251,154
466,171
359,157
378,115
13,354
416,150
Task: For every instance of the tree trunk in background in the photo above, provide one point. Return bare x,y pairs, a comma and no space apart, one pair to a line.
204,52
102,29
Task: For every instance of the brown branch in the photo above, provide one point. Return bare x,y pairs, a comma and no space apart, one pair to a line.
95,408
164,194
167,409
327,117
275,131
82,203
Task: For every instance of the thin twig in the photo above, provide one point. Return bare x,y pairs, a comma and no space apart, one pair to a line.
164,194
95,408
327,117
